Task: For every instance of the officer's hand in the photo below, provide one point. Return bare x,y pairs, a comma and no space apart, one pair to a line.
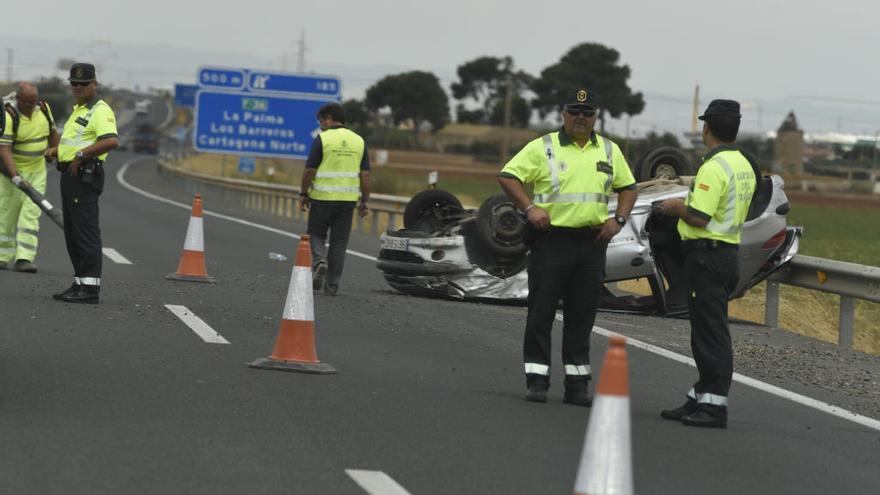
74,166
609,229
304,202
673,207
363,209
539,218
51,153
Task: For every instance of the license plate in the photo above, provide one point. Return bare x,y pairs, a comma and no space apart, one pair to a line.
395,243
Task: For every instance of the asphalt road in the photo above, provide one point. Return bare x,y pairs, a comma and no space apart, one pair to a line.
122,397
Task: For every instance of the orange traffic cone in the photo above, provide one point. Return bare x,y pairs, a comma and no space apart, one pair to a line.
192,262
295,345
606,460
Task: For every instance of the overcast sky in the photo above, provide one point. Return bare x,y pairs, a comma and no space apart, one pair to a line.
749,50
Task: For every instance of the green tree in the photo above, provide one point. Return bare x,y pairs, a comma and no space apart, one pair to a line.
356,112
596,67
415,96
484,80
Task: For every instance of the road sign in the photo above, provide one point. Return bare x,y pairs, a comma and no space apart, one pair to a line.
247,165
260,113
185,95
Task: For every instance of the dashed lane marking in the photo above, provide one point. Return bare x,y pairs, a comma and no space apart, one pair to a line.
376,482
196,324
115,256
751,382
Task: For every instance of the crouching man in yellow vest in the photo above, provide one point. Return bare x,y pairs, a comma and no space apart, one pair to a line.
335,181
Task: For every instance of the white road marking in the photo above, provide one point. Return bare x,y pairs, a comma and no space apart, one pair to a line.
196,324
115,256
376,482
751,382
120,176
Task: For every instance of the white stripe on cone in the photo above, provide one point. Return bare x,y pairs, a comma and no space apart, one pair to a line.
606,459
300,301
195,237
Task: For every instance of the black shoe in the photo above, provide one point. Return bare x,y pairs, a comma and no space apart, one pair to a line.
706,418
330,290
25,266
67,291
3,265
537,393
579,395
82,295
676,414
318,275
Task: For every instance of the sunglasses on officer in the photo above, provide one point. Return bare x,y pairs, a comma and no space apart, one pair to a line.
79,84
580,110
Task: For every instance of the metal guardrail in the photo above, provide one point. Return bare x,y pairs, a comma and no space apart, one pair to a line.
850,281
283,200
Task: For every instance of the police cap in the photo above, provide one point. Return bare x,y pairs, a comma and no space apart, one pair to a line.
82,72
726,108
580,96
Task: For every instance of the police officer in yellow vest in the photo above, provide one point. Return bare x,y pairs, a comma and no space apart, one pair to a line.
710,223
88,135
33,132
335,181
575,172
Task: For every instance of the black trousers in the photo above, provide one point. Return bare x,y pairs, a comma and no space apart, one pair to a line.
82,233
570,268
711,276
334,216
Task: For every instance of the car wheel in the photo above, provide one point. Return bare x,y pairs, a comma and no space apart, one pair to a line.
664,162
427,209
501,226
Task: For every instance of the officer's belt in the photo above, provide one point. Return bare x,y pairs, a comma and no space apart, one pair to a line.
65,166
694,244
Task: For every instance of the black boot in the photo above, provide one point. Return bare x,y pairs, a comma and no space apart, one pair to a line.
70,290
676,414
84,294
578,394
537,391
707,417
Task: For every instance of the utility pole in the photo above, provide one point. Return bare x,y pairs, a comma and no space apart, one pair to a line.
696,109
874,159
508,109
10,54
301,55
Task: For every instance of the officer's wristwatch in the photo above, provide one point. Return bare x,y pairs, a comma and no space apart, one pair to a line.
621,220
79,155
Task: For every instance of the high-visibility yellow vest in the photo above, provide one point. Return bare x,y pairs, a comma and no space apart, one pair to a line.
31,139
723,190
571,183
338,175
86,125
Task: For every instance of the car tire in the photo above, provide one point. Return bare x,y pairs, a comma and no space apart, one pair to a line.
501,226
417,214
664,162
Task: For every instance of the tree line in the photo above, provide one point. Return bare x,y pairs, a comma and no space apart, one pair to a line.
491,90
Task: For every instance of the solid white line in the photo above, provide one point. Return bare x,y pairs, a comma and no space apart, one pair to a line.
751,382
115,256
766,387
120,176
196,324
376,482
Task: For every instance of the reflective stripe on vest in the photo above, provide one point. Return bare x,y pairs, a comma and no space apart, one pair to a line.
556,196
726,225
336,175
323,188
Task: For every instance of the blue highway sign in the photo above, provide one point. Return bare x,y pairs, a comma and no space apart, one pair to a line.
185,95
260,113
247,165
254,124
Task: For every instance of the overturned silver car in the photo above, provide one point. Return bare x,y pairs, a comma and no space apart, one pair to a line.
449,251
